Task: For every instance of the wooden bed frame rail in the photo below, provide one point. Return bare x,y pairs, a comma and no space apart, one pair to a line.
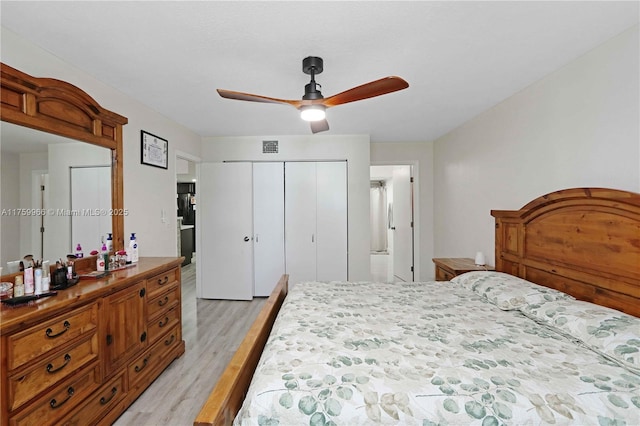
225,400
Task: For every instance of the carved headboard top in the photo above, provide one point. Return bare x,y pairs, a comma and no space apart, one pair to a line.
583,241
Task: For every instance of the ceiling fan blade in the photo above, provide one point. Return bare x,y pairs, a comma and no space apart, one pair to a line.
230,94
367,90
319,126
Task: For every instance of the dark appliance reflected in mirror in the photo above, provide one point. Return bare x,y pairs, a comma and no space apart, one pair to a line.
187,203
187,211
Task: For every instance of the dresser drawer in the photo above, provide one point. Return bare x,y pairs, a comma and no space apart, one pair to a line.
25,385
58,402
160,282
143,367
36,341
98,404
162,323
163,302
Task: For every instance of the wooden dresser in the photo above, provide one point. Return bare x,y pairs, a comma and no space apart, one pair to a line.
447,268
84,355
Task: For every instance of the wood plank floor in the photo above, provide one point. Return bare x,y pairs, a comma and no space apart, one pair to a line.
212,331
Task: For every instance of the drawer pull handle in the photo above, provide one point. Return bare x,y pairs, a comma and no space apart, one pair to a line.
54,404
163,281
49,331
105,401
170,340
144,364
52,370
163,323
163,302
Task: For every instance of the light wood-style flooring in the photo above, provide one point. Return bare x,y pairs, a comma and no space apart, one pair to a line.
212,331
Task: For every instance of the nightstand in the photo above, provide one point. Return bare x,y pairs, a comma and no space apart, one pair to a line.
447,268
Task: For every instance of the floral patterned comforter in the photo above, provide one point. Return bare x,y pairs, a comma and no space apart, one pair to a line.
427,354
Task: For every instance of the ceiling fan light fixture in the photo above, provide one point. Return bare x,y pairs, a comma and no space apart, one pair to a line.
312,112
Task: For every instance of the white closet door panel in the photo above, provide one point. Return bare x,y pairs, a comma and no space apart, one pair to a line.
90,195
300,221
268,226
331,205
225,221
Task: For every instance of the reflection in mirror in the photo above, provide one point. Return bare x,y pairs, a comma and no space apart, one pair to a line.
56,193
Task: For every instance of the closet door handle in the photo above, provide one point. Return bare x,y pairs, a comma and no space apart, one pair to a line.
246,239
313,238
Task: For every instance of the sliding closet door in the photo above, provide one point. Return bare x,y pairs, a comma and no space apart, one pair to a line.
268,226
225,255
300,221
331,221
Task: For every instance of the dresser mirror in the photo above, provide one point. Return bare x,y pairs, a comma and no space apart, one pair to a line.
55,135
56,193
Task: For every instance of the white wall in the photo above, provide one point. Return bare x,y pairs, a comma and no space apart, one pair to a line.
353,148
420,155
17,182
147,190
10,224
577,127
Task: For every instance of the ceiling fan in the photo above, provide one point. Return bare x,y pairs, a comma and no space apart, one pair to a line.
312,106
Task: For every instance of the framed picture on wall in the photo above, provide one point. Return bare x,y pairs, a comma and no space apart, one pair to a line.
154,150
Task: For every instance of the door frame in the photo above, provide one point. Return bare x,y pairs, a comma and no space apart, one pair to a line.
415,174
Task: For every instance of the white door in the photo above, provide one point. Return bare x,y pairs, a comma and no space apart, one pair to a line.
90,195
331,221
300,221
403,223
225,260
268,226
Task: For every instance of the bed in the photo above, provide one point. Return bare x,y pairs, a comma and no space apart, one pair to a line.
551,337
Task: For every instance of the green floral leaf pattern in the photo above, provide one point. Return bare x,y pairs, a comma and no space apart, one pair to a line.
286,400
617,401
344,353
451,405
475,409
308,405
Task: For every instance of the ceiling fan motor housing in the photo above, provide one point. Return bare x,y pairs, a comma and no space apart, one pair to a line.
312,65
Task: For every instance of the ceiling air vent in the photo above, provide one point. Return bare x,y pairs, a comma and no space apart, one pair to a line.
269,147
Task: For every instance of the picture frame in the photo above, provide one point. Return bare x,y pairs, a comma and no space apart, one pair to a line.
154,150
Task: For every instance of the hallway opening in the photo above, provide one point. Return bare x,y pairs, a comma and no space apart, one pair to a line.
392,223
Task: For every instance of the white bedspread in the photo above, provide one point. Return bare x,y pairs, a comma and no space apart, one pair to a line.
426,354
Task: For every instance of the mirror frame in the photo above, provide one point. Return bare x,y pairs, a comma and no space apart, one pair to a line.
55,106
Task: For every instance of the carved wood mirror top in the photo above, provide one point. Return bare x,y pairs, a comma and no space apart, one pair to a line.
58,107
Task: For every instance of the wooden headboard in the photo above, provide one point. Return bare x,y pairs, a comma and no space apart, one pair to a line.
582,241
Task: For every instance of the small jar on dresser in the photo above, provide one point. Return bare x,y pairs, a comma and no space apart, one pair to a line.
447,268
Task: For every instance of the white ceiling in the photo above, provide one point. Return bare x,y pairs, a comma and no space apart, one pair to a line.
460,58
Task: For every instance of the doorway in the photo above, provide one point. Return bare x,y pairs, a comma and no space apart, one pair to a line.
186,206
392,223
